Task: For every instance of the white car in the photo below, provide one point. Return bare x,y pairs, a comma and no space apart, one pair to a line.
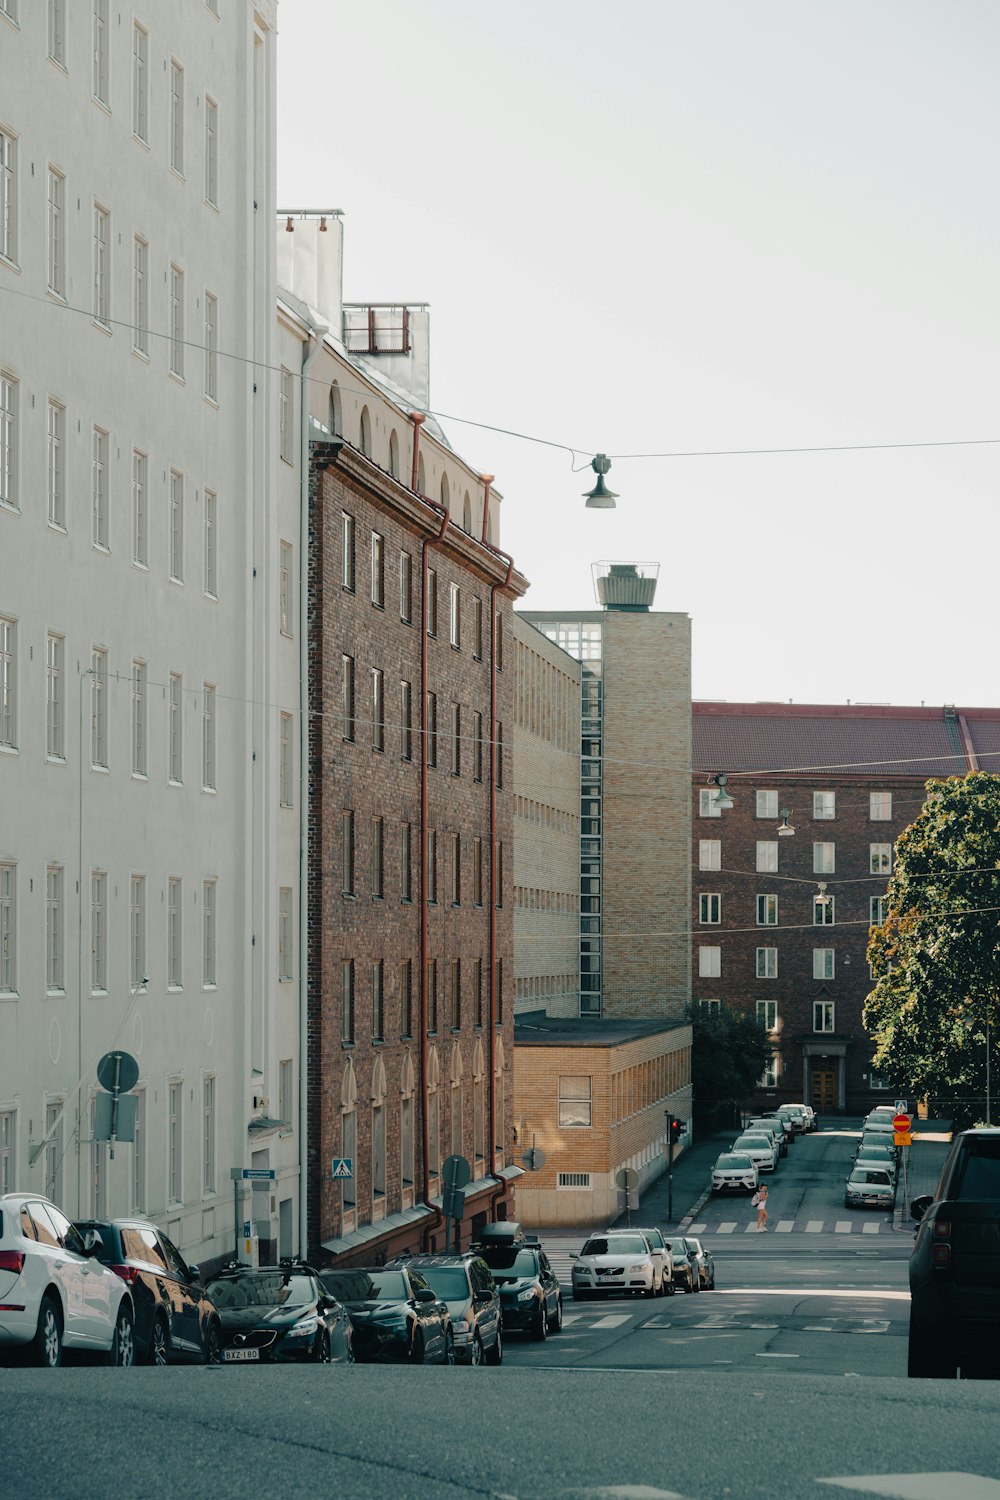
734,1172
661,1252
53,1293
622,1261
774,1128
807,1112
760,1148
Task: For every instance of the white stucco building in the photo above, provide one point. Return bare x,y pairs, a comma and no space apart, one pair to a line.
149,670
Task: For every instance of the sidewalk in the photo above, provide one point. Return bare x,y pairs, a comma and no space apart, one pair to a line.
924,1160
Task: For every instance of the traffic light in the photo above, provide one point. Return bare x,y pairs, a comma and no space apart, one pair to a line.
676,1127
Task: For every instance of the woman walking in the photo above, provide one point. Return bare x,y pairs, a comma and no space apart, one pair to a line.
759,1201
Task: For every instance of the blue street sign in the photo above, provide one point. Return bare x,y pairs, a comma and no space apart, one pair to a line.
258,1174
342,1166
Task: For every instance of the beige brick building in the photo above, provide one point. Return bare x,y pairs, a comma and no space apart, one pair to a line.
619,1047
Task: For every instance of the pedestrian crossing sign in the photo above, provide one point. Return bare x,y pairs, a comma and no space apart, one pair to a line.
342,1166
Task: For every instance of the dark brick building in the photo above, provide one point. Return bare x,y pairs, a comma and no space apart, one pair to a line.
410,870
781,918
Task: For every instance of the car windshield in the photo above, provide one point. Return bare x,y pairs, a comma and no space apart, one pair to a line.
735,1161
260,1289
615,1244
450,1282
760,1142
874,1177
508,1260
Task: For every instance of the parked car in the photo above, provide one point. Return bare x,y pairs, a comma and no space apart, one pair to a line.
685,1274
773,1128
875,1140
619,1262
878,1156
795,1115
660,1247
703,1261
869,1187
279,1314
530,1294
883,1112
955,1264
760,1149
465,1282
395,1315
782,1122
54,1292
174,1317
734,1172
808,1113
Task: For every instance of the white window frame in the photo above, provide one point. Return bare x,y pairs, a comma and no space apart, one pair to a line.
8,1149
286,792
880,859
56,32
766,856
8,682
176,526
709,961
137,931
824,963
710,1007
8,196
208,1135
710,854
99,707
175,1140
576,1101
824,911
878,907
455,615
766,805
211,151
211,322
285,588
140,711
176,117
708,804
210,548
55,696
175,933
824,1016
824,805
209,735
55,930
767,963
140,296
100,535
8,927
286,967
209,934
175,729
102,266
824,858
140,508
140,83
9,394
772,1068
378,570
56,233
176,282
139,1154
55,438
709,908
767,1015
767,910
98,932
100,80
286,433
880,807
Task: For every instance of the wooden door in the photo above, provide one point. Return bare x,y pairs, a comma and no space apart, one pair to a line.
824,1090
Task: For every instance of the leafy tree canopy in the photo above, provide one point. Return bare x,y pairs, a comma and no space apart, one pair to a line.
729,1052
936,957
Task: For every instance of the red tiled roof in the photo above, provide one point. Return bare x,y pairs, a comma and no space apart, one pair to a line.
848,740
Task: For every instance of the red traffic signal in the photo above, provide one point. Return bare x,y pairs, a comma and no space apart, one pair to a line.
676,1128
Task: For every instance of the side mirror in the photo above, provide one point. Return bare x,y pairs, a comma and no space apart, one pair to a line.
425,1294
194,1273
919,1206
92,1241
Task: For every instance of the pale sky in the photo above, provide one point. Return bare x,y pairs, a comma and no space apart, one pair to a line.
663,226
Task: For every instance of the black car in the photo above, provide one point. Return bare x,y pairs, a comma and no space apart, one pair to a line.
465,1282
279,1314
686,1270
175,1319
396,1314
703,1262
529,1288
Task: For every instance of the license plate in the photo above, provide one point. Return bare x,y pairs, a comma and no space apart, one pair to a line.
236,1356
607,1278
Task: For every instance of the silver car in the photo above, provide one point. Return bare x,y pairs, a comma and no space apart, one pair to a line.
761,1150
869,1187
734,1172
622,1261
661,1250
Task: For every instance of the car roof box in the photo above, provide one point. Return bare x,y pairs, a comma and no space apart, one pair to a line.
505,1233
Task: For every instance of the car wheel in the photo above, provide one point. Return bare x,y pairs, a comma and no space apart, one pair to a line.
555,1322
417,1347
711,1284
540,1327
928,1358
449,1347
158,1342
324,1355
689,1285
47,1345
494,1355
668,1288
122,1351
213,1345
476,1356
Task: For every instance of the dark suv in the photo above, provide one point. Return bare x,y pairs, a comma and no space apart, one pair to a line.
465,1282
174,1317
955,1264
529,1288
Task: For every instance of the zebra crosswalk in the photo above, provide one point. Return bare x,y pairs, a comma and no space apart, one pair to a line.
790,1226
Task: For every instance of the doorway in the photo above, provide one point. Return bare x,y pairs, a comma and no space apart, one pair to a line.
823,1086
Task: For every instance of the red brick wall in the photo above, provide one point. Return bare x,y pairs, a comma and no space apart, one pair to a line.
354,776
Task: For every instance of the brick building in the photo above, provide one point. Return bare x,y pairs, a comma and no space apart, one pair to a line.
787,882
410,911
601,1061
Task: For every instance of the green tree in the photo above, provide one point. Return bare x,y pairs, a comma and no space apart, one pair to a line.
936,957
729,1052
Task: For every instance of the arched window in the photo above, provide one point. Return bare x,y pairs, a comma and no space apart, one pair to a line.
335,420
478,1111
445,492
491,526
457,1100
433,1113
421,477
365,432
467,514
406,1152
378,1134
349,1138
394,454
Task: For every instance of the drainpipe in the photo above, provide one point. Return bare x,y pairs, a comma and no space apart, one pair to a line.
314,346
487,482
428,542
417,418
494,590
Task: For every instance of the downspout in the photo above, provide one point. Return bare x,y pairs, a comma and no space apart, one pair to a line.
417,418
319,331
487,482
495,588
